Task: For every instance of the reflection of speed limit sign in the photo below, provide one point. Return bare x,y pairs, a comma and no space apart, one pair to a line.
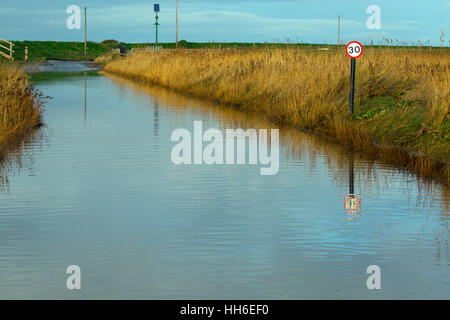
354,49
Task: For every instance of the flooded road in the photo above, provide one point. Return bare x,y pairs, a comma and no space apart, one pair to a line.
97,188
60,66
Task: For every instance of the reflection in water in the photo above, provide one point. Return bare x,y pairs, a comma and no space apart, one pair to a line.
352,204
105,195
20,157
345,170
156,124
85,97
297,144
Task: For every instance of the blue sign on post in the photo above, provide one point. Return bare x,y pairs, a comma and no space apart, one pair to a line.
156,8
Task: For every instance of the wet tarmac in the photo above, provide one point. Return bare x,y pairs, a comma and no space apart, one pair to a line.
61,66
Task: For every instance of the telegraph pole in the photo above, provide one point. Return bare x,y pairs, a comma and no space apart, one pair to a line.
176,44
339,30
85,33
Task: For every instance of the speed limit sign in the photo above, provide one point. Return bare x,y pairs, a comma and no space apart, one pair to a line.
354,49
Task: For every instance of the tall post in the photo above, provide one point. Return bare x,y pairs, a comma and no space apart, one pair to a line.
85,32
176,44
339,30
352,84
156,24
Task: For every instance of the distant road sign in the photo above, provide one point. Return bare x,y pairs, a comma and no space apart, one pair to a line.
156,7
354,49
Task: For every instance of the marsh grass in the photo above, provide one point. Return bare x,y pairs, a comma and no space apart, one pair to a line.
21,107
402,106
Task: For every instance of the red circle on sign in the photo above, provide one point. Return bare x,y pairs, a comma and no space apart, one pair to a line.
359,44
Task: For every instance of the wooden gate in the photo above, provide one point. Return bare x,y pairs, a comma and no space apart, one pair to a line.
6,49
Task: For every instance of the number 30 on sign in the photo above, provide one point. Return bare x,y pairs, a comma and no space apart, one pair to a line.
354,49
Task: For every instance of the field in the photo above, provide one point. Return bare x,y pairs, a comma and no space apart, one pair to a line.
20,107
402,95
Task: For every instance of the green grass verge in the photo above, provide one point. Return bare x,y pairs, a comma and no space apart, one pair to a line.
59,50
53,50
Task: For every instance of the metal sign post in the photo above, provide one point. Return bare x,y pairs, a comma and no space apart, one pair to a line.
354,50
352,84
156,9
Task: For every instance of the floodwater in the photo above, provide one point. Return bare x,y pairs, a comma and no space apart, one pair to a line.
97,188
58,66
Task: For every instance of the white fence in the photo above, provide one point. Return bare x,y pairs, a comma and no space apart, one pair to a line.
7,48
145,49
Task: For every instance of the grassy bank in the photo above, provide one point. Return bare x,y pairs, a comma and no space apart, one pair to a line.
63,50
402,95
20,107
39,51
56,50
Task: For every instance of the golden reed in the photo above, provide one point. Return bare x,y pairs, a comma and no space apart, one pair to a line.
402,95
20,107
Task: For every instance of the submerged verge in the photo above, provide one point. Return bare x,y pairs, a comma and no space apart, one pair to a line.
21,107
402,95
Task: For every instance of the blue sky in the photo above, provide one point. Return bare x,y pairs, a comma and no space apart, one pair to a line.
228,20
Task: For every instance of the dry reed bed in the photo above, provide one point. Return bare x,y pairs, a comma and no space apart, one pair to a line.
20,107
402,105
